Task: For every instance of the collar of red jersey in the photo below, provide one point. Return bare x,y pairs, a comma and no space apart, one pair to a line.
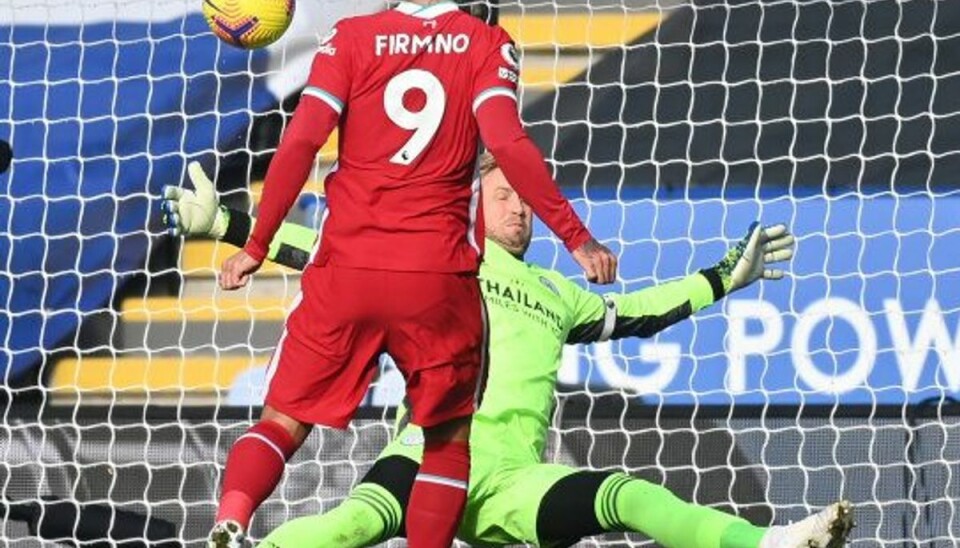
426,12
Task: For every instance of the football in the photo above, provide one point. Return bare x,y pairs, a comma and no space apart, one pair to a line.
248,24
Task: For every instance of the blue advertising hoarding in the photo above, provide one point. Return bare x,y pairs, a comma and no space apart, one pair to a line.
867,315
100,117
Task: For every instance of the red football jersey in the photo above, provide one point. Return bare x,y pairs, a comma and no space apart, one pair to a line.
406,83
412,90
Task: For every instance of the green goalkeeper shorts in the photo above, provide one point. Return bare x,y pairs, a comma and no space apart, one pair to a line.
503,500
503,504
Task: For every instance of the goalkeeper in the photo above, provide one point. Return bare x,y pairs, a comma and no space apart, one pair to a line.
514,497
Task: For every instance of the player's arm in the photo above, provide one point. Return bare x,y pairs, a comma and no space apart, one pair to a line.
291,246
650,310
312,123
495,108
316,116
198,212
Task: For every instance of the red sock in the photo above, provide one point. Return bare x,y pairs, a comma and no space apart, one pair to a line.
254,468
439,495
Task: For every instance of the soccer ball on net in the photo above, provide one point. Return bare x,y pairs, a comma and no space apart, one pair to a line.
249,24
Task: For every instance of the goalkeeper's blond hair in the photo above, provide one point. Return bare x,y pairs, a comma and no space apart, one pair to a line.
486,163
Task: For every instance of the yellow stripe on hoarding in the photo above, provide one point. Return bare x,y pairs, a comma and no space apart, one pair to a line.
548,76
220,308
312,187
545,31
142,373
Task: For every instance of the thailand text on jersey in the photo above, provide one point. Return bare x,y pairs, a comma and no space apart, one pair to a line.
406,83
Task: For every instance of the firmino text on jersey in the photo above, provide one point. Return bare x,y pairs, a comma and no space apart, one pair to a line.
411,44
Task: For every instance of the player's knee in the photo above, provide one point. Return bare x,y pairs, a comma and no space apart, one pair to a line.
452,430
395,475
297,430
567,510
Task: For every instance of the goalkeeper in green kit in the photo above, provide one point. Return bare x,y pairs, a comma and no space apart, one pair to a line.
514,497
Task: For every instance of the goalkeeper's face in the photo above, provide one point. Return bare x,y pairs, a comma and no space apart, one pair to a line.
508,219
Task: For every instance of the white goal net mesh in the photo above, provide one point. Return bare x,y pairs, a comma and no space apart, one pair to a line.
673,125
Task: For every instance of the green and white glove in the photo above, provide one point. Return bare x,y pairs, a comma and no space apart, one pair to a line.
750,259
194,212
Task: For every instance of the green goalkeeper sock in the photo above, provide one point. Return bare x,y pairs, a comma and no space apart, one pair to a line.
370,515
625,503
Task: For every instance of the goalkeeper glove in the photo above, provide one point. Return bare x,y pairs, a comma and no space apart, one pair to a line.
749,260
194,212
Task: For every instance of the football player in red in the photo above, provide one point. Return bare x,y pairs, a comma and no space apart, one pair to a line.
413,90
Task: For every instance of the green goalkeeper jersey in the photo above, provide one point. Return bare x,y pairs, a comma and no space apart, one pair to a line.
533,312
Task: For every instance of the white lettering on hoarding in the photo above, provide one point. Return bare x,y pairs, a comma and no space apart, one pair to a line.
740,344
569,372
665,355
833,309
931,333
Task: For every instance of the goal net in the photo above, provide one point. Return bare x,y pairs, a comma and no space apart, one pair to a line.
127,374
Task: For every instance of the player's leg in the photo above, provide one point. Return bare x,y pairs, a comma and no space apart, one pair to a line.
320,371
504,503
828,528
439,343
357,522
440,490
373,512
254,466
589,503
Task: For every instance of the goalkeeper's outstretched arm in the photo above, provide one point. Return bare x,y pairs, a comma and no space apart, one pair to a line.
650,310
198,213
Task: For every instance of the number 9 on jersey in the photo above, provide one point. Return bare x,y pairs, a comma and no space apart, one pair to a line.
424,123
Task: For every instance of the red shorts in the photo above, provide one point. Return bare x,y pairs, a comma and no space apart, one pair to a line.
433,325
